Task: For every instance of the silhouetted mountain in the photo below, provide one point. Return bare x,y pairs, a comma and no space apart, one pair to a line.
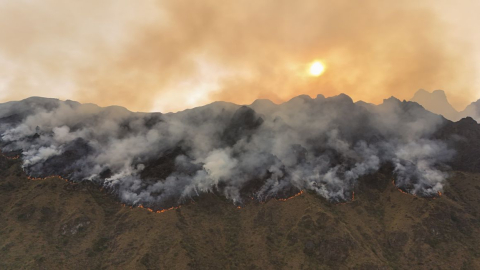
472,110
436,102
463,136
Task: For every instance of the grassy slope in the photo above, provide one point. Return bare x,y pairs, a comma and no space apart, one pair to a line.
52,224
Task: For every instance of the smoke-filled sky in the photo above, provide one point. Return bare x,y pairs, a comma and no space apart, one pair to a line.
155,55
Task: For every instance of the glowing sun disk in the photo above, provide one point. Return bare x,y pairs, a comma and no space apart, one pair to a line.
317,68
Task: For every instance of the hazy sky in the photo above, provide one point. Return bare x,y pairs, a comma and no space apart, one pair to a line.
153,55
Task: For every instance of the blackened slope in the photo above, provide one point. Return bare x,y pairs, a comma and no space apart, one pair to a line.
64,164
242,125
464,137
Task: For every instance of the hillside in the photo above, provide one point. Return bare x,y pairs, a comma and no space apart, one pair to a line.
53,224
323,183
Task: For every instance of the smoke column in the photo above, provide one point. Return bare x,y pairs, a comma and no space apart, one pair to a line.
262,150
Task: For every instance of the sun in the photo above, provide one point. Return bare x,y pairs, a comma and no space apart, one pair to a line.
316,69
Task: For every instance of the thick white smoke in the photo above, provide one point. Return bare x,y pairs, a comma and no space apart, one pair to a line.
262,150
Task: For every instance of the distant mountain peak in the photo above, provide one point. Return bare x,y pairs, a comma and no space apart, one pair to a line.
422,93
439,93
263,101
436,102
392,98
300,98
468,120
342,98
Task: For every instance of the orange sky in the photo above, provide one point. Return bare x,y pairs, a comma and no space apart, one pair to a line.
171,55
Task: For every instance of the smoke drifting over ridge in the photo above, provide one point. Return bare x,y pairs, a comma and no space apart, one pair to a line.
170,55
262,151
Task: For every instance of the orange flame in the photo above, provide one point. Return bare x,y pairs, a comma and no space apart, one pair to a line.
101,189
298,194
141,206
353,199
401,191
11,158
167,209
158,211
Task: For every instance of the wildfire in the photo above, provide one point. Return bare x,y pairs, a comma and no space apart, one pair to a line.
401,191
11,158
51,176
298,194
177,207
123,205
439,193
158,211
167,209
281,200
353,199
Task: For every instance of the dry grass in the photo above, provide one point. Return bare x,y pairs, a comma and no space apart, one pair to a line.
52,224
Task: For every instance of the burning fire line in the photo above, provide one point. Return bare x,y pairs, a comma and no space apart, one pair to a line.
401,191
101,189
123,205
281,200
353,199
11,158
296,195
158,211
353,196
177,207
51,176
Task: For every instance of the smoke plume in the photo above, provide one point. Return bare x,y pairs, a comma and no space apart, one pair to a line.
262,150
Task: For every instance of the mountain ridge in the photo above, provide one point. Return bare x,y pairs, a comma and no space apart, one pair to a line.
437,102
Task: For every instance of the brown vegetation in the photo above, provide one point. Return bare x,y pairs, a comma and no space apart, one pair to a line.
53,224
